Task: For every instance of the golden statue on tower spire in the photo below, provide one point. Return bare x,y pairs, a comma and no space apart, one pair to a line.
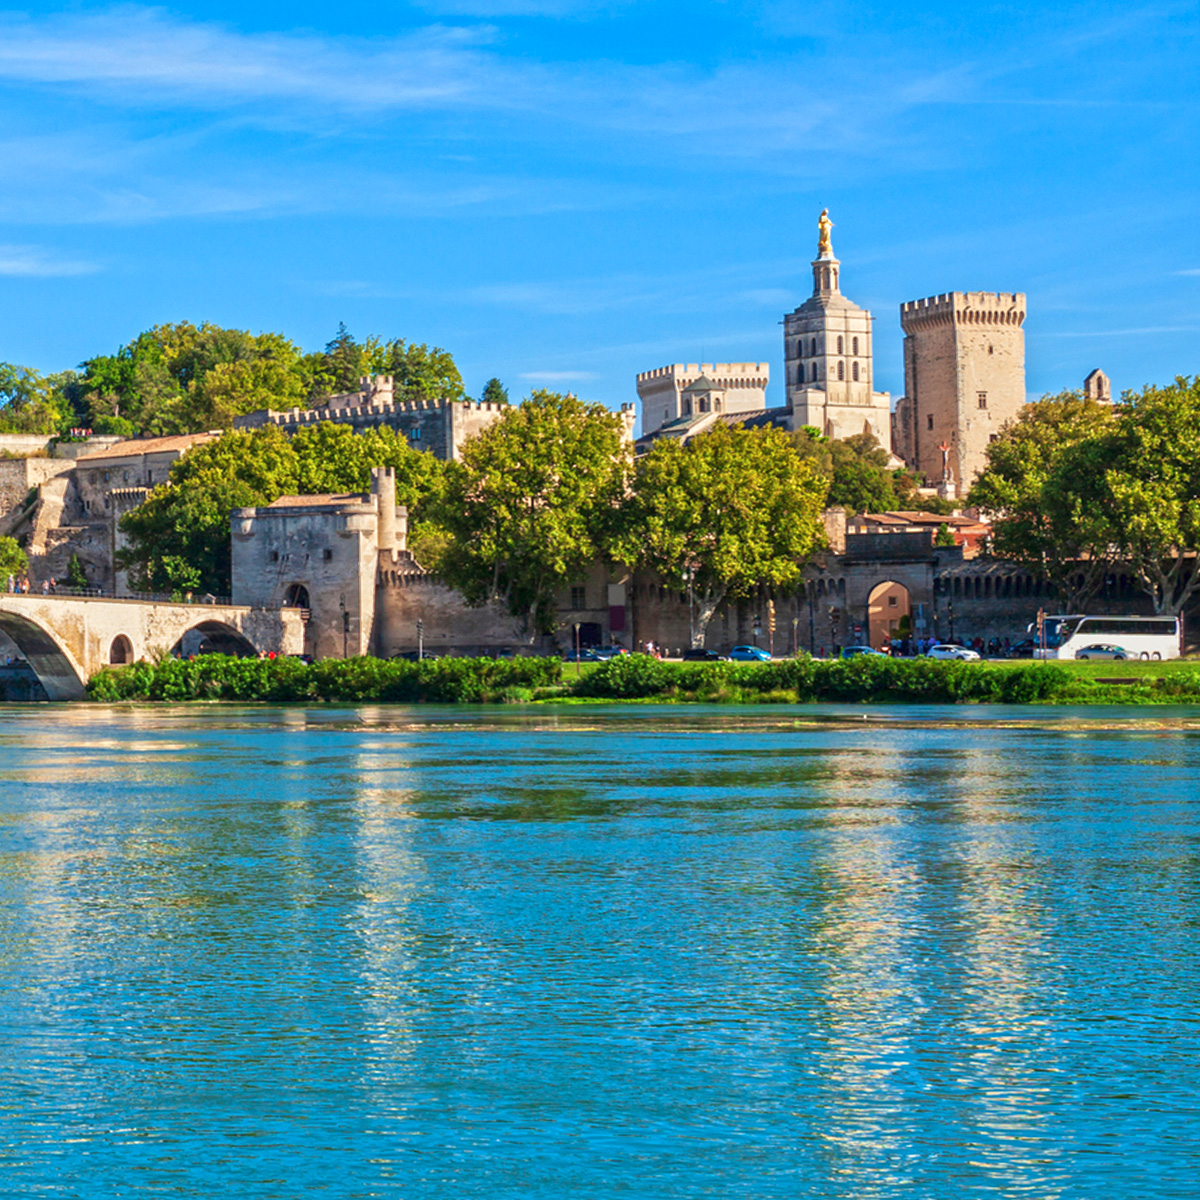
824,225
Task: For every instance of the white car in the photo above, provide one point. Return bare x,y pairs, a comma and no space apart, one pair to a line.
959,652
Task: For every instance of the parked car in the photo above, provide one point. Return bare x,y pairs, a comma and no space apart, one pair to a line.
749,654
860,651
1022,649
607,652
962,653
588,655
704,656
1102,650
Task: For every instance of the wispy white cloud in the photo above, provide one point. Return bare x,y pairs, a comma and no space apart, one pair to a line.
34,262
1189,271
151,55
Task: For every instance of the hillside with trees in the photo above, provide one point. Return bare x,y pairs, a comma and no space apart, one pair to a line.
185,378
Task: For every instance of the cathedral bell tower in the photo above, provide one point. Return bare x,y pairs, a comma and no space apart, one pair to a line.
828,358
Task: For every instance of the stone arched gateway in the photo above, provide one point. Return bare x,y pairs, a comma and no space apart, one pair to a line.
889,613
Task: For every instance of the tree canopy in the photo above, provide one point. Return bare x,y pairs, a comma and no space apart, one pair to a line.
179,538
860,479
185,378
532,503
1078,489
12,559
734,509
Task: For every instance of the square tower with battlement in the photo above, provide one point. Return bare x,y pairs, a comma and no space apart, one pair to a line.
964,378
828,359
735,387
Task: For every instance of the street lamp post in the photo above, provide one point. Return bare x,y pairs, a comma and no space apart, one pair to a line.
420,640
578,667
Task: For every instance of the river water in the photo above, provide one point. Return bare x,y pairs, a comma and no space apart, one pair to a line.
645,952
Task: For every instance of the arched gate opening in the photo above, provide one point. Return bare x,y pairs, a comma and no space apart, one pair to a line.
889,614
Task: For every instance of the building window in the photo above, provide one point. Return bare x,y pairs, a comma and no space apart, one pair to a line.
813,346
891,602
930,420
854,372
982,396
841,368
578,595
839,343
854,346
327,554
414,435
274,555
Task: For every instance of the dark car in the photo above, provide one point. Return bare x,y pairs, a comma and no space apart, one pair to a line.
1022,649
700,655
861,651
583,656
607,652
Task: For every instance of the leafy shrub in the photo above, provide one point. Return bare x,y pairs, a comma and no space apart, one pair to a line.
353,680
626,677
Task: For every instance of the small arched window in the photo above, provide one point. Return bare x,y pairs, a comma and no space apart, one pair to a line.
854,372
841,370
854,346
812,349
839,343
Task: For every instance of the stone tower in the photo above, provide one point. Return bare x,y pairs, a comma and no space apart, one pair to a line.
1097,387
828,359
964,377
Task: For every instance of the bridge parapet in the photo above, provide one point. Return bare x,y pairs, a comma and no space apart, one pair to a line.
66,639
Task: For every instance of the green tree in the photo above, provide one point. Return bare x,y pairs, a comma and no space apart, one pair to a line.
76,575
31,404
735,509
1044,489
944,536
532,503
1153,489
185,378
344,363
13,560
418,372
179,538
494,392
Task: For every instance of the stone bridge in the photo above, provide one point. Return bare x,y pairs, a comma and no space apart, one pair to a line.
66,639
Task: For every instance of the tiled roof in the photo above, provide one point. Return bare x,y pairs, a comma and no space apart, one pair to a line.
318,501
135,447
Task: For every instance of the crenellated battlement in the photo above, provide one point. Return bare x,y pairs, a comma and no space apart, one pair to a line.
728,375
964,308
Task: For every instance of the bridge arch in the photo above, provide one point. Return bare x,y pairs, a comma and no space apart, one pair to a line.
50,660
214,637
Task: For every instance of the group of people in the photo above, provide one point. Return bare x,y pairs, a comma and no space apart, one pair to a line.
21,586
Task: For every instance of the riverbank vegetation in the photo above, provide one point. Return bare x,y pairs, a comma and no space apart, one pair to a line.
638,677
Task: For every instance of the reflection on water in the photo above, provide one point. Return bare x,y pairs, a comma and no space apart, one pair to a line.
577,953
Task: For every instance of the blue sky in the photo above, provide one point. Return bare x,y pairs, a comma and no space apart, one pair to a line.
563,194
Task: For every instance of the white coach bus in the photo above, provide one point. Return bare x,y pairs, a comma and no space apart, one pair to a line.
1147,638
